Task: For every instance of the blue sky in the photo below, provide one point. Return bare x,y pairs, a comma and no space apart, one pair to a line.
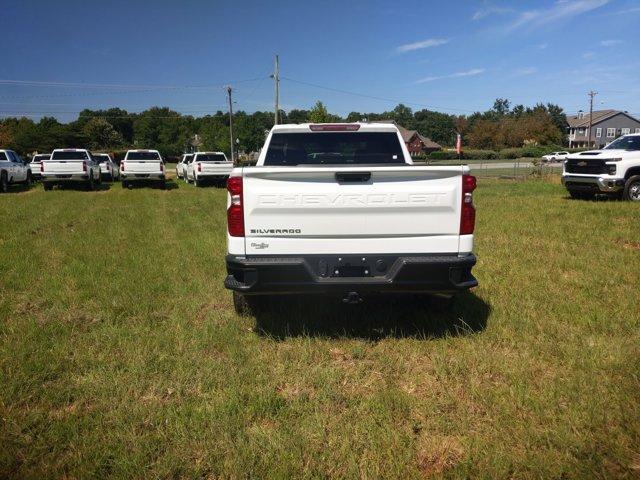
61,56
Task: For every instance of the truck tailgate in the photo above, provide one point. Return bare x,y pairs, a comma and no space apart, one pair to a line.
312,210
142,166
63,167
216,168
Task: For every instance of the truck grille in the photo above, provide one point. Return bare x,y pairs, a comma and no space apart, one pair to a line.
586,166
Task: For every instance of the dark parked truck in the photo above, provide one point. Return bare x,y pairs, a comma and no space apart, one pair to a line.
614,170
340,209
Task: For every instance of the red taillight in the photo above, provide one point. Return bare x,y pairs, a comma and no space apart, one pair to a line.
334,127
468,211
199,167
84,166
122,166
235,212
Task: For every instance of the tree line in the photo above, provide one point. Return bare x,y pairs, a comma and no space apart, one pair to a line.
172,132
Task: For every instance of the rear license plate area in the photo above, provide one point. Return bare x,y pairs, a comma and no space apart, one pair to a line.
142,175
351,268
63,176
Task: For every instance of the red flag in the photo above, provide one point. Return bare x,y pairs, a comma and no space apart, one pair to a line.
459,144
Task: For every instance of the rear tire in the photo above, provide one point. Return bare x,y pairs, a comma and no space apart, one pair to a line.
162,185
632,189
125,184
4,183
47,186
248,305
28,181
91,186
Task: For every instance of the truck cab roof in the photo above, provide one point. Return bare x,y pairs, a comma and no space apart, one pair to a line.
334,127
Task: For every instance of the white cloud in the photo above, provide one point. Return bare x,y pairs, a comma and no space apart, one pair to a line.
561,10
628,10
522,72
588,55
428,43
488,11
542,46
611,42
468,73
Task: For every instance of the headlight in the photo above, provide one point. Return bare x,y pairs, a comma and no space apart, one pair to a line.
611,169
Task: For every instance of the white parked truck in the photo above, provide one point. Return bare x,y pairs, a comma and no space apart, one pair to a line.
35,164
108,168
614,170
13,170
70,165
142,166
208,167
340,209
181,166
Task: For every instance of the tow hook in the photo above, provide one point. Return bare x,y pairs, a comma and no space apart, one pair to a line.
352,298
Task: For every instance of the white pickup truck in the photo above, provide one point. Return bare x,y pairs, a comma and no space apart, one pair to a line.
13,170
70,165
142,165
340,209
208,166
614,170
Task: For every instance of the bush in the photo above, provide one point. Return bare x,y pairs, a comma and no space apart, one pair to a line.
466,155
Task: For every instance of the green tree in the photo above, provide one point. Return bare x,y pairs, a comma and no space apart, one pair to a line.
319,114
101,134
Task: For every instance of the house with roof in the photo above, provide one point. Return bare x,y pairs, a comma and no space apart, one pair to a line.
607,125
416,143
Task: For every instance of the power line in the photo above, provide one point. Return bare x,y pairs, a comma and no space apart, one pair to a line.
37,83
130,89
364,95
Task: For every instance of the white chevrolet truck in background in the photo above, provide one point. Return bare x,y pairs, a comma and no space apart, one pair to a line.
142,166
614,170
70,165
208,167
340,209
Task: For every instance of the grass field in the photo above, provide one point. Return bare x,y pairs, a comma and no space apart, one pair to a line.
121,356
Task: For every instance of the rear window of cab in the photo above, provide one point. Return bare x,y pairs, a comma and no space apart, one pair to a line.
142,156
69,155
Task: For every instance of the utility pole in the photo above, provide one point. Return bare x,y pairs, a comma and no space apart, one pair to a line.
229,90
591,95
276,79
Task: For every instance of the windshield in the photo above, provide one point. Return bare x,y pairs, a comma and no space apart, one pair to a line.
625,143
187,159
69,155
335,148
143,156
101,158
3,156
210,157
39,158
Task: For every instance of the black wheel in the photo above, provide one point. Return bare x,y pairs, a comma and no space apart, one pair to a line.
47,186
91,186
162,185
4,183
248,305
28,181
632,189
125,184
